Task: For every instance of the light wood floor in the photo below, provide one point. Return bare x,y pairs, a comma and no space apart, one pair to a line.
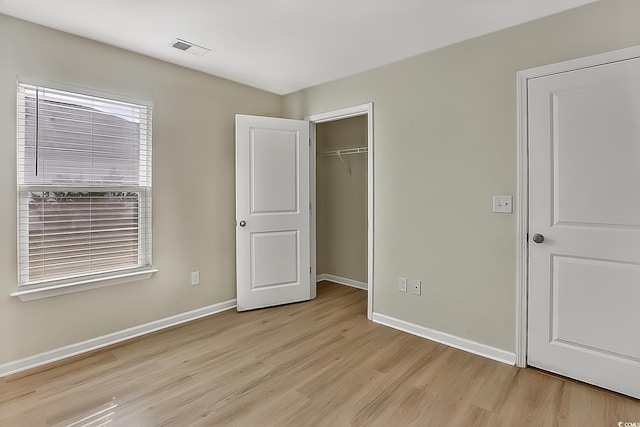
319,363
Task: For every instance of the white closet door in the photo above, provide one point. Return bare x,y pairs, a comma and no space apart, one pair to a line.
272,212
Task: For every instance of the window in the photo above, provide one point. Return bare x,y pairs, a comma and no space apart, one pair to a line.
84,187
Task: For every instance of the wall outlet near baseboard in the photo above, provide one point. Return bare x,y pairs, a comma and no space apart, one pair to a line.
416,286
195,278
402,284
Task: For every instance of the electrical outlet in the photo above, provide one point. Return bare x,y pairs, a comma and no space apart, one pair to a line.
415,286
195,278
402,284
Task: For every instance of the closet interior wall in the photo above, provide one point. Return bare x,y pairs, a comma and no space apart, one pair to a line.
341,196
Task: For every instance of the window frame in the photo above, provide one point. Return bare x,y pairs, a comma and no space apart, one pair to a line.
79,282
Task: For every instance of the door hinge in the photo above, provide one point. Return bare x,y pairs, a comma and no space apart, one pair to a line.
309,205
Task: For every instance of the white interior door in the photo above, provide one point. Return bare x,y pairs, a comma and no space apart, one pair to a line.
272,212
584,198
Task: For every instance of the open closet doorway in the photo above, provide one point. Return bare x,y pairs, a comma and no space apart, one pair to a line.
342,215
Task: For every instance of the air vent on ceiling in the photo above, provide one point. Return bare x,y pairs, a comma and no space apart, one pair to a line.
189,47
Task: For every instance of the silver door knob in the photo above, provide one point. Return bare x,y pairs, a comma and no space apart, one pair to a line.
538,238
243,223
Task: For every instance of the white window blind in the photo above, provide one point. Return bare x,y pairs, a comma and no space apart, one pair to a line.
84,186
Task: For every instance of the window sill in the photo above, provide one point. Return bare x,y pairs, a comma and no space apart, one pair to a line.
81,285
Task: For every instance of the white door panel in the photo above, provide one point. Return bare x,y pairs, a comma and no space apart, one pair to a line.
272,211
274,158
584,197
595,164
580,318
275,259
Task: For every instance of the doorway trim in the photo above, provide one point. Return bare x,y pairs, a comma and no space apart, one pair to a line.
330,116
522,195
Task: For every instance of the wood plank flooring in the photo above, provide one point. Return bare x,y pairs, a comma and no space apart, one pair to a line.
318,363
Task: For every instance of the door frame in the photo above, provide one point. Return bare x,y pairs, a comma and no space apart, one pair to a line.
522,195
330,116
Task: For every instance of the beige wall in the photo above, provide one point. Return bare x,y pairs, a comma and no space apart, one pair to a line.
193,187
445,142
341,226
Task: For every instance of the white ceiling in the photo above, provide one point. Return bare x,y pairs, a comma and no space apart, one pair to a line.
283,45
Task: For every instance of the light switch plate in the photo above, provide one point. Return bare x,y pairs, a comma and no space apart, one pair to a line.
503,204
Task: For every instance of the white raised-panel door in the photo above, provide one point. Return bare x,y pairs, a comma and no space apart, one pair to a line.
272,212
584,198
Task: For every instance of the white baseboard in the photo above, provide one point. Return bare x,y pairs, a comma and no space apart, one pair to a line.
113,338
447,339
342,281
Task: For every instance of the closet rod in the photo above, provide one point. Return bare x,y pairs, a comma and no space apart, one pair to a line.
357,150
340,153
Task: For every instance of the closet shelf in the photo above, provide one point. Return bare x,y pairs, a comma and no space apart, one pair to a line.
357,150
344,152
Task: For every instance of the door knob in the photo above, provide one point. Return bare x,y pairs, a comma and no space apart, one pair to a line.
538,238
243,223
